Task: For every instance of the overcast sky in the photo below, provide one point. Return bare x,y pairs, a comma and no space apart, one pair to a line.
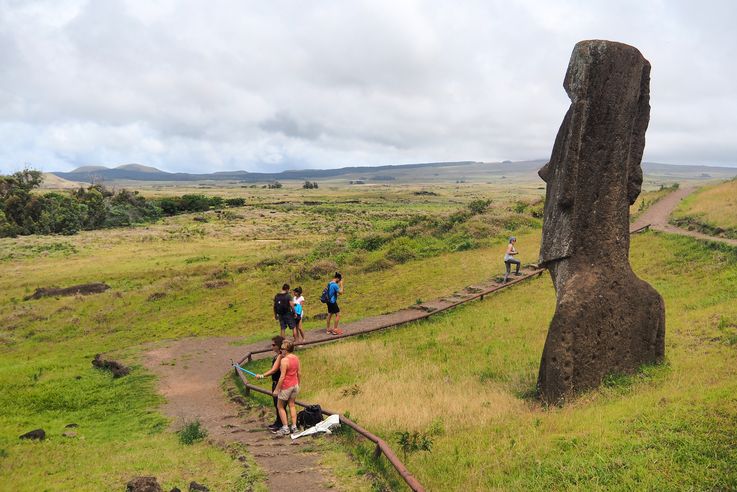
203,86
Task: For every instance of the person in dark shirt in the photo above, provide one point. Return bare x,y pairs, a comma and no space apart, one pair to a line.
284,310
275,373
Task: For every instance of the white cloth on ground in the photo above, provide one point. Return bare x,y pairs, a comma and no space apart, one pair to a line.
324,426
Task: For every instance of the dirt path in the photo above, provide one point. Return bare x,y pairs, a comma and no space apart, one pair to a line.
659,213
190,372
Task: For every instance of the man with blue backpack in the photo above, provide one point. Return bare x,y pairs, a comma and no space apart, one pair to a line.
330,297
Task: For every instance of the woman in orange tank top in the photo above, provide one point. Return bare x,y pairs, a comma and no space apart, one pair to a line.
288,387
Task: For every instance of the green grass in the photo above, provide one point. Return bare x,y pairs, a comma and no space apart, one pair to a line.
669,427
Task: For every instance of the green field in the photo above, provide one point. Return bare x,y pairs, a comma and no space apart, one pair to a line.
205,275
214,274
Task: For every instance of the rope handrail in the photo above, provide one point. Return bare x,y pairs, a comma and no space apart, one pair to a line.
381,445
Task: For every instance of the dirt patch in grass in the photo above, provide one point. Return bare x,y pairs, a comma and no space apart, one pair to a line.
82,289
216,284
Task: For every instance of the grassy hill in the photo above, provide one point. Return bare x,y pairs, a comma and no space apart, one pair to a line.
711,209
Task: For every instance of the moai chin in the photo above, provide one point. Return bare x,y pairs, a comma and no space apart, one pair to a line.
606,319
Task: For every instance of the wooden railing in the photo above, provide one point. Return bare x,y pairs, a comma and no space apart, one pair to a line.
381,445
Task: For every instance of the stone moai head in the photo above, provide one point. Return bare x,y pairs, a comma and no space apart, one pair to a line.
594,171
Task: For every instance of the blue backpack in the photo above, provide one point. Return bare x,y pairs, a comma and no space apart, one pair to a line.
325,296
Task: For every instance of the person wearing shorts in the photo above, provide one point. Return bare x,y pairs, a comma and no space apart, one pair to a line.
335,288
509,258
284,310
287,388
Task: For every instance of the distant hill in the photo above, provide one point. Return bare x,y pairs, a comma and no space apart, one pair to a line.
52,182
89,169
462,171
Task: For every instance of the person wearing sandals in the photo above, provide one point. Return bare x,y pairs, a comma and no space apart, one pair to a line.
287,388
335,288
509,258
275,373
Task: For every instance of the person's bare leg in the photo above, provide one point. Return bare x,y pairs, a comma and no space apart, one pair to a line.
282,412
327,327
337,318
300,331
293,410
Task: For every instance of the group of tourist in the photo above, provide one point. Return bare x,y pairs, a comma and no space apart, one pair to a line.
289,312
285,365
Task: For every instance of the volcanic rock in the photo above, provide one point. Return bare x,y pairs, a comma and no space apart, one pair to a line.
606,319
118,369
143,484
37,434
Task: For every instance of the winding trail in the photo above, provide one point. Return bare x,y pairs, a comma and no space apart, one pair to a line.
190,372
659,213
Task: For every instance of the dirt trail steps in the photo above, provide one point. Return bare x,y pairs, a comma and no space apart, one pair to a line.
190,372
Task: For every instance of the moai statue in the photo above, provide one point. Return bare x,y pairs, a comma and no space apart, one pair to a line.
606,319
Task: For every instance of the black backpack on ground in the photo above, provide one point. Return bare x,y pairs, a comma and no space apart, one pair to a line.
310,416
282,303
325,296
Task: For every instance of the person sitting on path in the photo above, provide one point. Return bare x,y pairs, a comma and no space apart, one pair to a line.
509,258
335,288
287,388
284,310
299,313
275,373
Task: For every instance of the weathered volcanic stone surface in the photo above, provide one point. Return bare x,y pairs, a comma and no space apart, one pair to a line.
143,484
606,319
37,434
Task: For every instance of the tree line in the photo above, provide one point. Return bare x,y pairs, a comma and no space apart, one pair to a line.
23,212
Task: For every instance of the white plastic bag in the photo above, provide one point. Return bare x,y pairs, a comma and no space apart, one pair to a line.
324,426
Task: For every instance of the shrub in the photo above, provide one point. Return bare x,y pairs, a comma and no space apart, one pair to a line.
194,203
413,442
61,214
378,265
478,206
400,250
371,241
321,268
192,432
216,202
235,202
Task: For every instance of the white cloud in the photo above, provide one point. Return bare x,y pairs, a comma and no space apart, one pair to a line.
189,86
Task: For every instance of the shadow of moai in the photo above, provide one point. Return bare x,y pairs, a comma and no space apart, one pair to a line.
606,319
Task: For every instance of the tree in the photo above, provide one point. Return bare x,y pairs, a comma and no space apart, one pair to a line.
15,198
